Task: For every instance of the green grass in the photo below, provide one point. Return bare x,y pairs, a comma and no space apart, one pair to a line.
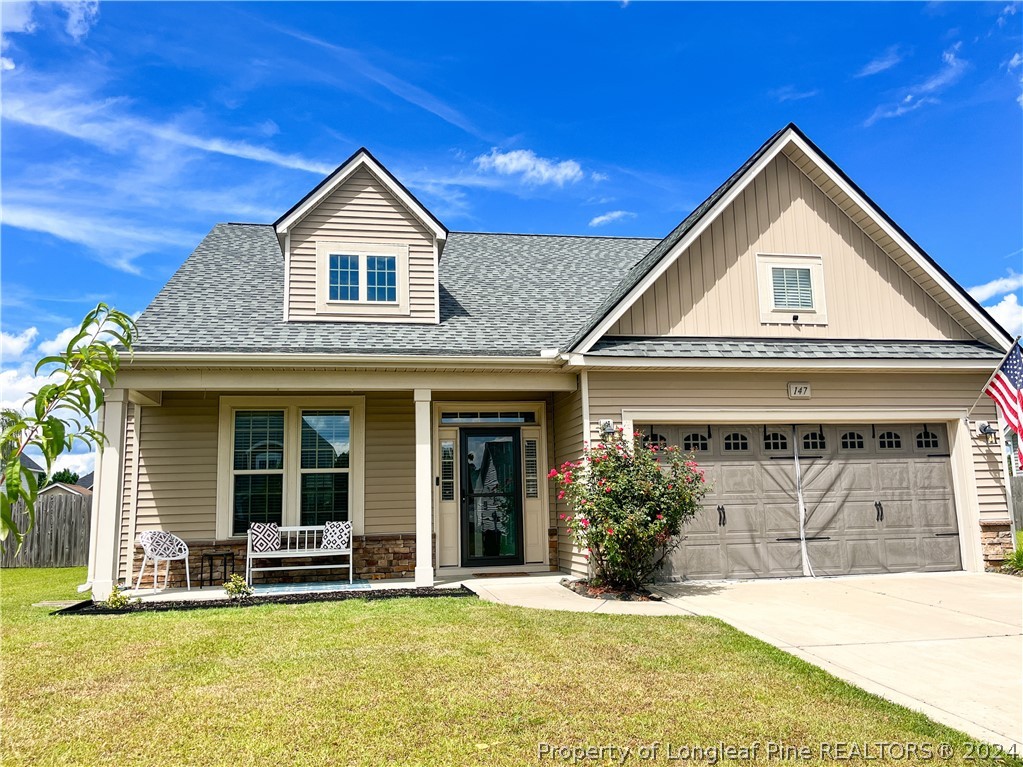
431,682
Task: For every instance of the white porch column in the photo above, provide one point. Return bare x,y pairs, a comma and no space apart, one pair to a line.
106,500
424,489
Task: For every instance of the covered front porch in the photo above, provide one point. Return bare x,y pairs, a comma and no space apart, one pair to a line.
439,483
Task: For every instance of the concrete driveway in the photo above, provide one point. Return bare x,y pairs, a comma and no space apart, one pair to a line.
947,644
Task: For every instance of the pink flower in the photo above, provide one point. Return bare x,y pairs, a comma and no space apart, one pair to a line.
660,516
561,516
608,489
670,487
552,474
584,522
561,495
610,531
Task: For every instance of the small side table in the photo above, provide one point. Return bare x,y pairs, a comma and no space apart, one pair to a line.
212,557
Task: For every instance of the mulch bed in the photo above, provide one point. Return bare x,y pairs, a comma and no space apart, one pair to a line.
584,589
88,607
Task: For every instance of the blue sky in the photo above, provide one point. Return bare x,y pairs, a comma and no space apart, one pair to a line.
129,129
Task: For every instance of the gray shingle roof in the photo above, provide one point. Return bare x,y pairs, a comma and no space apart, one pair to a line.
761,348
501,295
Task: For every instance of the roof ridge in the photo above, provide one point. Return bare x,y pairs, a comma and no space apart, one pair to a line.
548,234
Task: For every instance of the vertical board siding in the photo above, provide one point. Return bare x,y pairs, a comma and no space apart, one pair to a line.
390,463
867,396
177,477
568,446
362,210
60,536
711,289
127,493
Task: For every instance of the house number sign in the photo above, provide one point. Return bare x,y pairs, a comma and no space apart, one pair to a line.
799,390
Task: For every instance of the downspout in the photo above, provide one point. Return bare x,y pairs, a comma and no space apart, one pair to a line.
807,568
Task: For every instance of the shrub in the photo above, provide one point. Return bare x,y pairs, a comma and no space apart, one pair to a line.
117,599
629,502
237,589
1014,562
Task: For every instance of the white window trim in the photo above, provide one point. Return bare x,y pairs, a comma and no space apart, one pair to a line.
292,407
769,315
362,307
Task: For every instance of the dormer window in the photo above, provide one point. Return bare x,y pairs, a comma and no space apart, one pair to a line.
362,278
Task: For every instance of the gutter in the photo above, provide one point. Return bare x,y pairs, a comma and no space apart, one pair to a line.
597,362
546,359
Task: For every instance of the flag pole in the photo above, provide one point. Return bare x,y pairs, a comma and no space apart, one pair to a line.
983,389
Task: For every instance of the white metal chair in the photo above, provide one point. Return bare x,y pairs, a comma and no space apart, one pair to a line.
161,546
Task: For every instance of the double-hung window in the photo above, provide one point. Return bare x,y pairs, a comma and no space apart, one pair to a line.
791,289
362,278
290,462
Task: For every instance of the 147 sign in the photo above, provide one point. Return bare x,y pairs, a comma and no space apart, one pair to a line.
799,390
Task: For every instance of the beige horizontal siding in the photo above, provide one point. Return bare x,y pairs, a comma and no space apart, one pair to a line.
390,463
362,210
568,446
989,466
128,481
711,290
177,483
864,393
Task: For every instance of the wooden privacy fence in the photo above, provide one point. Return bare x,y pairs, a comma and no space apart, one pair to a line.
59,538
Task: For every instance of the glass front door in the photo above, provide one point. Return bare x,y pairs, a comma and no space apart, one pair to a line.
491,497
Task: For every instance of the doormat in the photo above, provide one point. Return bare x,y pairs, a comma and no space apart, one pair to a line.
500,575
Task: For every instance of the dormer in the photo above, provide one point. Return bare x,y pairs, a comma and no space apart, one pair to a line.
361,248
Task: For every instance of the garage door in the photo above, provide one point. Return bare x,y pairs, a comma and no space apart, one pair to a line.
878,499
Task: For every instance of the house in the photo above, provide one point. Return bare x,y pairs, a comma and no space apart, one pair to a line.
356,359
86,480
62,488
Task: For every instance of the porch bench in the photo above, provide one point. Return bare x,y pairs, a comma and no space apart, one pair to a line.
305,541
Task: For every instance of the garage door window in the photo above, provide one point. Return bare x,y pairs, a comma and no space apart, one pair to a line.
927,440
853,440
775,441
889,440
736,443
694,443
655,439
814,441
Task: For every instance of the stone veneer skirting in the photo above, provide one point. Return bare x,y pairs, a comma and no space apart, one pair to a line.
389,555
996,542
376,556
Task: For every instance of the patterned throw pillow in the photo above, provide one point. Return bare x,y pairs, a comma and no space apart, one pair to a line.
265,537
336,535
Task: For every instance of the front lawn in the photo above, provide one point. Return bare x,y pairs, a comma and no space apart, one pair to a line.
432,682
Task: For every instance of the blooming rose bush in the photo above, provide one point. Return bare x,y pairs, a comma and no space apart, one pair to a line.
629,501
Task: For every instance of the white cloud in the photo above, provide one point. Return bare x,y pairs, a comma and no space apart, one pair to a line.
997,287
359,66
611,216
73,112
1015,61
6,64
791,93
17,17
1009,314
532,168
116,243
598,177
882,63
1007,11
81,16
924,93
13,346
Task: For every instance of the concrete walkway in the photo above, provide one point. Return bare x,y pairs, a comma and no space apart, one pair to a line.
947,644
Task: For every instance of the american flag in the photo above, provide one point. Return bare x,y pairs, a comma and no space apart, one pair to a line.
1006,388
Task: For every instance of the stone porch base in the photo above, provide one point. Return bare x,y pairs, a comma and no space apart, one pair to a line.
996,542
376,556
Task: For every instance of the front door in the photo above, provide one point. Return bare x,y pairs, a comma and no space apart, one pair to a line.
491,478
